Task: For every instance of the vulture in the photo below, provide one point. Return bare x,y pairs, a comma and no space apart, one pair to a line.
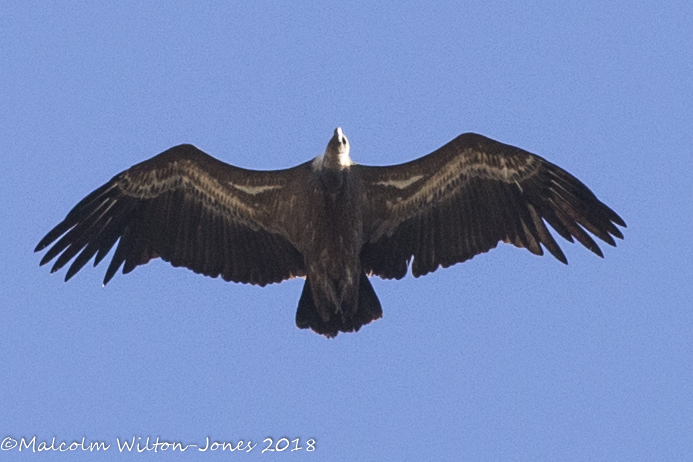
330,220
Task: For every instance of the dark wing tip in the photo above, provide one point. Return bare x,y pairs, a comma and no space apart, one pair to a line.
559,255
45,259
614,217
619,221
53,234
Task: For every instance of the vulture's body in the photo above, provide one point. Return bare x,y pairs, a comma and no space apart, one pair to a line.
330,220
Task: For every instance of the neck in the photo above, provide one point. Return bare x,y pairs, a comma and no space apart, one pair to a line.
336,161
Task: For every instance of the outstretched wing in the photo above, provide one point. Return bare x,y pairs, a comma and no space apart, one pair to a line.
467,196
191,210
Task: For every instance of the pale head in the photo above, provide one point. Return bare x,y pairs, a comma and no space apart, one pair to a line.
336,156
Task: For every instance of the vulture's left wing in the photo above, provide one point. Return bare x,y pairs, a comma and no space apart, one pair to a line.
467,196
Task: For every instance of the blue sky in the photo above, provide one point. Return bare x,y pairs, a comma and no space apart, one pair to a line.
505,357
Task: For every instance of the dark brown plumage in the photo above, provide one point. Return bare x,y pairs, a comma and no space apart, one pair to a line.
329,220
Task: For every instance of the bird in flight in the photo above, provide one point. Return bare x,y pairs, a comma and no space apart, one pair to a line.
330,220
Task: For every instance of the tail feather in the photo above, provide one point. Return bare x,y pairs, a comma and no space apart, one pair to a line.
348,320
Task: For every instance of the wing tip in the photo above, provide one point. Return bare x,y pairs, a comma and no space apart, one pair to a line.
597,251
560,257
618,220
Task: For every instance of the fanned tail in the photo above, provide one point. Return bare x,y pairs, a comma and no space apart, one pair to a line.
350,319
